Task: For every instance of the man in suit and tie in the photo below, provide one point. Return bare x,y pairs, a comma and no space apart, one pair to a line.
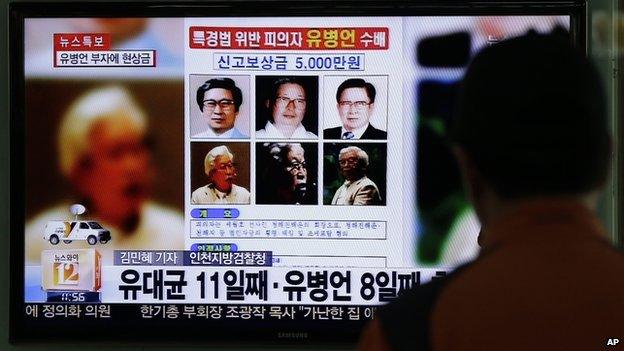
355,101
357,189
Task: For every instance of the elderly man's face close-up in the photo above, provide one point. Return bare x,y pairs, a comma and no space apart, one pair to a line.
219,109
223,173
116,173
350,165
296,167
290,105
354,108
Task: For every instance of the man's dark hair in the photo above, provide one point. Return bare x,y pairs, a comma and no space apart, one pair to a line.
275,87
285,80
357,83
532,117
223,83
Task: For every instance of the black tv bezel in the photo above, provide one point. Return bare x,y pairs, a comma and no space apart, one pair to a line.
117,332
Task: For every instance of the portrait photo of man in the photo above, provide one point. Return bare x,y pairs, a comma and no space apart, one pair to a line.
356,105
110,160
220,172
361,176
286,107
286,173
219,109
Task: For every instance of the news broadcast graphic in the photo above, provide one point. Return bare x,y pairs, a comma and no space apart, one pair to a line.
94,50
71,270
243,172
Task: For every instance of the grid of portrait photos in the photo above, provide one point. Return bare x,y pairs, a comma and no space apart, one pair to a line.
288,139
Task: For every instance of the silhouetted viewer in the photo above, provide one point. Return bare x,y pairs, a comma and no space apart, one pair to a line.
532,143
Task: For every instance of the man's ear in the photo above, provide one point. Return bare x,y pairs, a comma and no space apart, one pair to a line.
474,186
267,103
471,177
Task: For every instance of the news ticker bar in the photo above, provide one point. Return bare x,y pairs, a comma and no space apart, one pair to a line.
231,257
75,271
197,312
258,285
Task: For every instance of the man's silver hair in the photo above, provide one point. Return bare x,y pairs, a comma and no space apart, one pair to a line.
209,161
110,103
279,151
295,146
362,155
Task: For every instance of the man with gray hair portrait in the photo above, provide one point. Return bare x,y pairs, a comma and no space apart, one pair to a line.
288,171
221,172
104,155
357,188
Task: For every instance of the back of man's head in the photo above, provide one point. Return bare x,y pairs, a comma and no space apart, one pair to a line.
532,118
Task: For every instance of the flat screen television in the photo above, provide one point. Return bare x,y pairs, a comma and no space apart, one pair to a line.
240,172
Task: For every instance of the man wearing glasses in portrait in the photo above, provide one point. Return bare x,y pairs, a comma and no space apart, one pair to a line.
221,172
219,100
288,178
287,107
355,102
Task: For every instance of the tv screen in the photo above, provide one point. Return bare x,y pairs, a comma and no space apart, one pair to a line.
238,172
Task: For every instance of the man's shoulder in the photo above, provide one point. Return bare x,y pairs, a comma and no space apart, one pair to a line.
234,134
342,187
406,320
332,133
237,134
374,133
310,135
201,191
264,133
366,182
240,190
420,295
302,132
204,134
